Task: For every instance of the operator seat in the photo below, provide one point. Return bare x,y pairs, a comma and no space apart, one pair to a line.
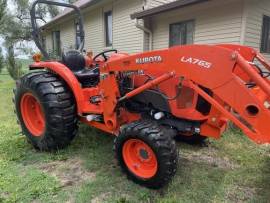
75,61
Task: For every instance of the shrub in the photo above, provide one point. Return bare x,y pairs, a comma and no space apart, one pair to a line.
14,68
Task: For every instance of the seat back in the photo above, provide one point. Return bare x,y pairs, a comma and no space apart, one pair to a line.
74,60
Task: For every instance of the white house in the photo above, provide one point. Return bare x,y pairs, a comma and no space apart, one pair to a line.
140,25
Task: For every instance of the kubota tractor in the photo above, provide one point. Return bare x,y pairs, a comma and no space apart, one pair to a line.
145,100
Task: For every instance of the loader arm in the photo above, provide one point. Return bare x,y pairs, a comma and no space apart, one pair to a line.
224,69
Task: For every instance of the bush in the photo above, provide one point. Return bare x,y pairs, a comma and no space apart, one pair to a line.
2,60
14,68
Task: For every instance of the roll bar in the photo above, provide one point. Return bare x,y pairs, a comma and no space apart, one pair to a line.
36,30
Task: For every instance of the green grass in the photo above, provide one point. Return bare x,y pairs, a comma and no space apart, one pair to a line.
232,169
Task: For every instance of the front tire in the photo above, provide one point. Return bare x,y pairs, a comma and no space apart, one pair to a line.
46,110
146,153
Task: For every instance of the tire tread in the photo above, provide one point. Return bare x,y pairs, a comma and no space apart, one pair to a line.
59,106
162,144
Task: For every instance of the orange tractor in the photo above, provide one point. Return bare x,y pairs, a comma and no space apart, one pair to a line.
145,100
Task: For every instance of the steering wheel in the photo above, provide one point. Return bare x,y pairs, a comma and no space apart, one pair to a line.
103,54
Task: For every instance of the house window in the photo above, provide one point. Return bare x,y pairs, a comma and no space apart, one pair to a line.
108,28
43,42
77,34
265,42
182,33
56,43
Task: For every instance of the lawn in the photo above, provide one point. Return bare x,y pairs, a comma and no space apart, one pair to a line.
232,169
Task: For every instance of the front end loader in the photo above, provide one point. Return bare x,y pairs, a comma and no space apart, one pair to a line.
145,100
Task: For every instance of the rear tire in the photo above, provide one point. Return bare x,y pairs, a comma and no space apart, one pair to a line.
56,110
146,153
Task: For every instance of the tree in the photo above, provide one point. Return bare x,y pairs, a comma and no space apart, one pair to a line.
3,4
2,60
16,29
14,68
53,11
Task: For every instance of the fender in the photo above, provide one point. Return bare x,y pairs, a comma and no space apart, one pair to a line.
67,75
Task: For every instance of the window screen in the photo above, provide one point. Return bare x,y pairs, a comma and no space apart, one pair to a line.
56,43
265,41
182,33
78,38
108,28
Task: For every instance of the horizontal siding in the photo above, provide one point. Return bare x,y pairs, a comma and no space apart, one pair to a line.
126,37
254,17
215,22
94,37
67,35
48,41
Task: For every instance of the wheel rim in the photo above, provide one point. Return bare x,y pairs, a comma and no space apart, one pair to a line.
32,114
140,158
